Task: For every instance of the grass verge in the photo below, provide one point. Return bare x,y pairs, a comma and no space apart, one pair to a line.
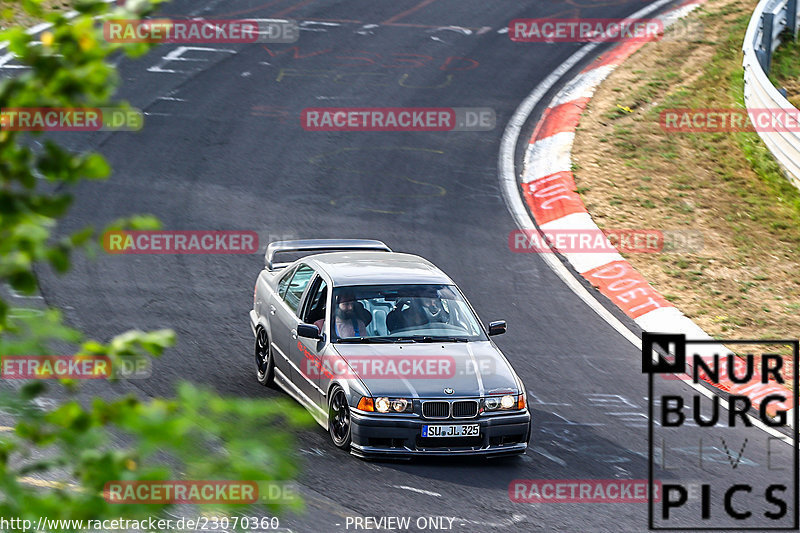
12,14
745,281
785,69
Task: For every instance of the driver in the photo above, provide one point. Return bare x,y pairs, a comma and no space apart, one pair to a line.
347,322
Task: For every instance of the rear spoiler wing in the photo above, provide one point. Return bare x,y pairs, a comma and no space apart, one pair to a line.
318,245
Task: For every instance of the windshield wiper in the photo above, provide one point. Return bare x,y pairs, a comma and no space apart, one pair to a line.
428,338
366,339
445,339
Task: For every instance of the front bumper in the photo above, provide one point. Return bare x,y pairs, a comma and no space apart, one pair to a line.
381,436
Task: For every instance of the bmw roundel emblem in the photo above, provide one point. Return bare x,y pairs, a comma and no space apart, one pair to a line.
448,390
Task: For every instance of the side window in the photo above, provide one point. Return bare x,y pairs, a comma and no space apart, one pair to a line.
297,286
284,282
317,299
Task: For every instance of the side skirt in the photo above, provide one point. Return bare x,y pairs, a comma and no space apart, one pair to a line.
319,415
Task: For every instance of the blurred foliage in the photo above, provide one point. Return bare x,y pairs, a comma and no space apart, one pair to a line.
87,443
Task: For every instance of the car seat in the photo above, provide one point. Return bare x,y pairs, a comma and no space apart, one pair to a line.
362,313
378,327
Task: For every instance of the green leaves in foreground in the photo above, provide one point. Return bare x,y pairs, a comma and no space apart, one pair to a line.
68,70
65,446
198,433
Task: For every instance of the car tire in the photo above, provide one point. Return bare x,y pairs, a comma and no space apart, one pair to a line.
265,363
339,421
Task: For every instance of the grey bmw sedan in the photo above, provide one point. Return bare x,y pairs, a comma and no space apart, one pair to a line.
385,352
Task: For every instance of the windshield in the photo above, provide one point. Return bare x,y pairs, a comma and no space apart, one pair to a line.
402,313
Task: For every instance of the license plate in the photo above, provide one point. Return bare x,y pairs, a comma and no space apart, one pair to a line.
459,430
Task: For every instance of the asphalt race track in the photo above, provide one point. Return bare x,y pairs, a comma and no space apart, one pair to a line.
223,148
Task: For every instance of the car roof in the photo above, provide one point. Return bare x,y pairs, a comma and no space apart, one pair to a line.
376,268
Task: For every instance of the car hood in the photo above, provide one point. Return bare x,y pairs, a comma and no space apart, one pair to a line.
425,370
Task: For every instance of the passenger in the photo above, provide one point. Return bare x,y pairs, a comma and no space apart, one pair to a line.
416,312
435,311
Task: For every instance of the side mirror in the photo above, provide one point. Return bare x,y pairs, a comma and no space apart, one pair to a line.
498,327
309,331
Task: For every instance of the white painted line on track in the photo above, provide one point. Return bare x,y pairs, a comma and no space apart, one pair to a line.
515,519
420,491
548,455
177,55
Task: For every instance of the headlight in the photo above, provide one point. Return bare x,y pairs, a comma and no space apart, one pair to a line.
399,405
382,405
396,405
506,402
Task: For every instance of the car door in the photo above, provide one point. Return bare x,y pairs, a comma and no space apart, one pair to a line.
306,353
267,303
284,316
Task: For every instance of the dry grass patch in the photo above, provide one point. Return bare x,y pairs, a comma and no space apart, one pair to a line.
745,282
13,14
